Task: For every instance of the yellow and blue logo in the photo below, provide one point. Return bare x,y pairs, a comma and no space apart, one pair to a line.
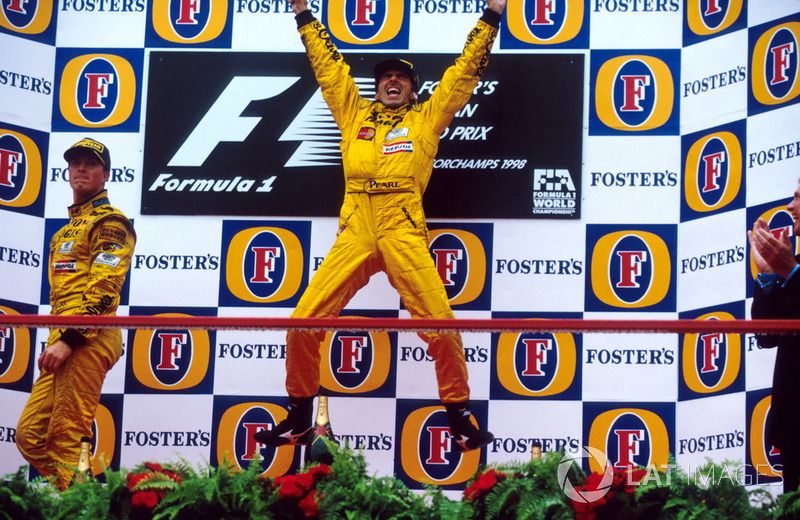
377,24
774,65
359,362
635,435
428,453
235,421
106,433
21,170
31,19
196,23
706,19
713,171
762,458
170,360
462,254
711,362
99,90
634,93
16,346
545,23
265,263
631,268
536,365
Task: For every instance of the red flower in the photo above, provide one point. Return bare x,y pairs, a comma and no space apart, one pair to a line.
147,499
152,466
483,484
319,471
308,505
289,487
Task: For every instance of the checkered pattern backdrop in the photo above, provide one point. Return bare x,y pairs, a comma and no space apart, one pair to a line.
688,133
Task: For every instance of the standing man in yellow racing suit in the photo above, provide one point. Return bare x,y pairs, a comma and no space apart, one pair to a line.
388,147
88,262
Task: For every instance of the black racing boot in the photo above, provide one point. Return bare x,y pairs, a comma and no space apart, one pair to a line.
464,433
295,429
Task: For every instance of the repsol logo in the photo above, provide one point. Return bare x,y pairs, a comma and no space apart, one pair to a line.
474,354
545,22
706,443
116,175
207,262
235,445
631,268
98,90
731,255
373,23
15,350
509,445
264,263
711,361
189,22
355,362
711,17
462,257
29,17
634,93
774,65
536,364
428,454
20,169
630,437
171,359
571,266
714,171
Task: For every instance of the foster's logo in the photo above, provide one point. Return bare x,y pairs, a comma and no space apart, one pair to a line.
265,264
98,90
774,66
15,349
543,22
536,364
630,437
428,453
712,17
632,269
634,93
713,172
235,444
20,169
26,16
189,22
106,434
764,457
711,361
374,23
355,362
462,258
780,224
170,359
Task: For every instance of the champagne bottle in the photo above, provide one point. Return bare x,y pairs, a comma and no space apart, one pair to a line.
84,468
317,450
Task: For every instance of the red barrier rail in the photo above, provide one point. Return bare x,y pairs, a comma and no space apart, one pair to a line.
404,324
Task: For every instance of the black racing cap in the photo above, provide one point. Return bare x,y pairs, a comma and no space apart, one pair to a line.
404,66
95,148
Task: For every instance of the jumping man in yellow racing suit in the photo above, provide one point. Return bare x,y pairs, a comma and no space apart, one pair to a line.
388,147
89,259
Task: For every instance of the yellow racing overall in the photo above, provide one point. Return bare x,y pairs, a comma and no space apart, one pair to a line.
89,259
388,157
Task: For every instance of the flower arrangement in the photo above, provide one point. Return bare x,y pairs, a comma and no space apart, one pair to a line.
526,490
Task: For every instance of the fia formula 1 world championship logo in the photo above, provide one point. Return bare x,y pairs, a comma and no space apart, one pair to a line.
585,496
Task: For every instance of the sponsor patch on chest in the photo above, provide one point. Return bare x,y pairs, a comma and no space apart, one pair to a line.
66,247
366,133
65,266
107,259
402,146
396,133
